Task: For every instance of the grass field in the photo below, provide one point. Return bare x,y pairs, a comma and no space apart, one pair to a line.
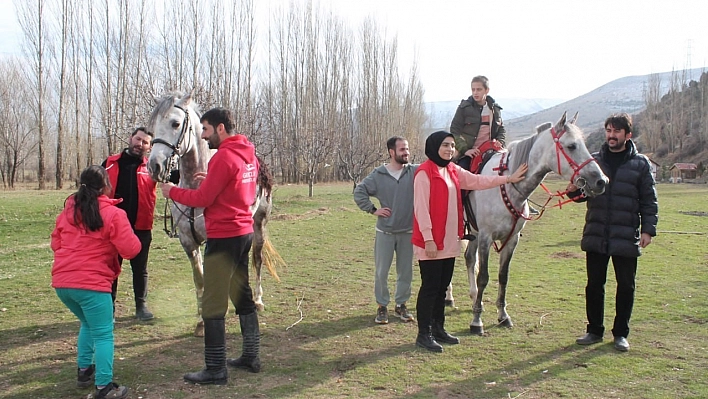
337,351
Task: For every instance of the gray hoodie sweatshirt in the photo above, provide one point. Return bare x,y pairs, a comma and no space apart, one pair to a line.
391,193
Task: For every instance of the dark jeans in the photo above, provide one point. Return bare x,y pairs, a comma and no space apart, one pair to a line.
226,276
139,267
435,276
625,273
464,162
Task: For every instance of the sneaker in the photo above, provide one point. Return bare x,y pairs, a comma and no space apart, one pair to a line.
402,313
84,378
381,315
111,391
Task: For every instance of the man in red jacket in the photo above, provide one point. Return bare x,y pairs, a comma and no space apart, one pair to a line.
226,194
131,181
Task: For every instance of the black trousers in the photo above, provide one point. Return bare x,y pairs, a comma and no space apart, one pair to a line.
625,273
226,277
435,276
138,265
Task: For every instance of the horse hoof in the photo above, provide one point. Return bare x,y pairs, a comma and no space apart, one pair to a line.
506,323
477,330
260,306
199,329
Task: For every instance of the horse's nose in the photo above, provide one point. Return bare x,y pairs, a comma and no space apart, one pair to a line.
155,169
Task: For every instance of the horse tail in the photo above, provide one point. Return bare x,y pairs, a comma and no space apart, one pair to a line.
270,258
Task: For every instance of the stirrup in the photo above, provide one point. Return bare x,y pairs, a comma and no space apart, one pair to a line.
469,237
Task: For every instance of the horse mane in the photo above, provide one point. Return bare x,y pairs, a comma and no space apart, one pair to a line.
265,178
520,149
165,104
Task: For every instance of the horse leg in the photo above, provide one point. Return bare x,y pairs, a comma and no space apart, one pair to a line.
482,279
449,299
472,269
257,256
504,261
259,231
195,258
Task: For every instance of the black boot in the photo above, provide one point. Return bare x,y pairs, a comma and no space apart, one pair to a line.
251,344
141,311
468,218
425,340
214,355
442,336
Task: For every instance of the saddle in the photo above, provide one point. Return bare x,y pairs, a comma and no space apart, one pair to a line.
487,150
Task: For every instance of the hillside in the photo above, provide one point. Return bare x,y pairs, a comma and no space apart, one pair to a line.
621,95
440,113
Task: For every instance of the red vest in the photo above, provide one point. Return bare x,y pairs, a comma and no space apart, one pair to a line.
146,191
438,204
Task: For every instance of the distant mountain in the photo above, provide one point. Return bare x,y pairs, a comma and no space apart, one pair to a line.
441,112
621,95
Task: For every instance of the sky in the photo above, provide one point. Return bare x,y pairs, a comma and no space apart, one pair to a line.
550,49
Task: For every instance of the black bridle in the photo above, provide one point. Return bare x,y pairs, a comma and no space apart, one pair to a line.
171,164
173,159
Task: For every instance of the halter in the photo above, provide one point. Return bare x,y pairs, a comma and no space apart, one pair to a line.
176,148
580,183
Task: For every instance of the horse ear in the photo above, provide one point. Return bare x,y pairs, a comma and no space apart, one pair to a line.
561,123
575,118
187,99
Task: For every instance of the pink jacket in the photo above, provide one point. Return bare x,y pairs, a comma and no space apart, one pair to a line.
422,212
88,260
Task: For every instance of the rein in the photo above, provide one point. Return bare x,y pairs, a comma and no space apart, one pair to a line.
515,213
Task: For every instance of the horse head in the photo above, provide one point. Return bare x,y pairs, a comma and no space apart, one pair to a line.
175,123
569,156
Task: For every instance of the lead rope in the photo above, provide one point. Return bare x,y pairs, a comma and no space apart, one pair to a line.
172,231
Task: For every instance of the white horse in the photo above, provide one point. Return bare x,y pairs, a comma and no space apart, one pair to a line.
501,213
177,143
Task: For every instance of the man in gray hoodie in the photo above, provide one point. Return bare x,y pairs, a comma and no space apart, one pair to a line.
392,185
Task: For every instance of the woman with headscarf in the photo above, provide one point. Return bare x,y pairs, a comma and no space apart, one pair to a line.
438,228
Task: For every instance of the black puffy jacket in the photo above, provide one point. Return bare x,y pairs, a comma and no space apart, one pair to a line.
613,219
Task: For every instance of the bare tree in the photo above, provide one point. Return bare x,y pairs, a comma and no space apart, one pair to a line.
64,27
32,20
16,135
651,133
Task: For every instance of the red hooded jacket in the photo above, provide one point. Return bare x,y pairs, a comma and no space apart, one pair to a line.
88,260
228,191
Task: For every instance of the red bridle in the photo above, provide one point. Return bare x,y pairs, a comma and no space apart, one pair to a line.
560,150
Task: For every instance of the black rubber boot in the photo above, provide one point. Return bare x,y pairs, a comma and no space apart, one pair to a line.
442,336
141,311
214,355
250,331
425,340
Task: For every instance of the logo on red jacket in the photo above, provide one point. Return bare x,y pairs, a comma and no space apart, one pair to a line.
249,176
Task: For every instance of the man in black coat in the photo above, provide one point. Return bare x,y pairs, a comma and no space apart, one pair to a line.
618,224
